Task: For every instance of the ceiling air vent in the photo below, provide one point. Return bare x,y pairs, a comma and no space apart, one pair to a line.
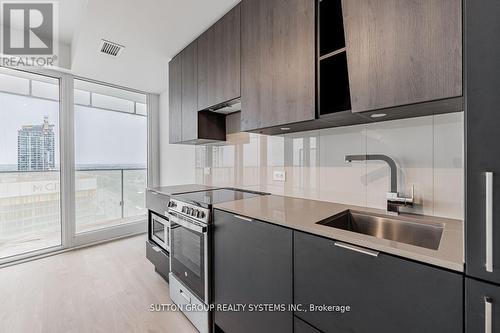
110,48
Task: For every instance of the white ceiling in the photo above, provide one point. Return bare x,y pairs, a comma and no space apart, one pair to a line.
70,12
152,31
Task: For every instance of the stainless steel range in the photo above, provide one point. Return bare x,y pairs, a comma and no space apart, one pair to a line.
190,217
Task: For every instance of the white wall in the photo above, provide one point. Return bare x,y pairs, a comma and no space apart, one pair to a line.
64,60
177,162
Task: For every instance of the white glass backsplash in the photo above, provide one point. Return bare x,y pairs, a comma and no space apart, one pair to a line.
428,152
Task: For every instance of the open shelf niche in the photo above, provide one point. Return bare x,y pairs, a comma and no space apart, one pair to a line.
333,78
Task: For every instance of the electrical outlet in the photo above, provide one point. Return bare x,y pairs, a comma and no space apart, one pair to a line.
279,176
207,170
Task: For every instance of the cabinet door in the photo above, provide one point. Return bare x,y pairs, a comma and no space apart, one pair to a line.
219,61
189,93
385,293
402,51
482,311
300,326
252,265
277,62
482,119
175,99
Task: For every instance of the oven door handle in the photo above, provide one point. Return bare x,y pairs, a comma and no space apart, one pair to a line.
191,226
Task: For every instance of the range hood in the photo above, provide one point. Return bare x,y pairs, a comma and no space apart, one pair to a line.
227,107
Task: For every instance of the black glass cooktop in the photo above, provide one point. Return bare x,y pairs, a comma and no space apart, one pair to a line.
209,197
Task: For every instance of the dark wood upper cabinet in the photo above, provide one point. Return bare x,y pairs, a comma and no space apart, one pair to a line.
402,52
189,92
301,64
277,62
187,124
175,99
219,61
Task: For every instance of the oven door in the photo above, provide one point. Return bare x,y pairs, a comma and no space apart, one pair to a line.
160,229
189,253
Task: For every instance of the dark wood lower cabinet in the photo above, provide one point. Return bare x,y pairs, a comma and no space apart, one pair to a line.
252,266
300,326
482,310
333,286
385,293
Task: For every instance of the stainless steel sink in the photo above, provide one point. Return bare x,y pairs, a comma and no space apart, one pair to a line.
396,229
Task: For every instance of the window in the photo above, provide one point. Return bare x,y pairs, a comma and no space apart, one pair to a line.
42,208
110,156
30,209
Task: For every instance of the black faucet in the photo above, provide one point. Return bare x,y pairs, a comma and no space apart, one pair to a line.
394,201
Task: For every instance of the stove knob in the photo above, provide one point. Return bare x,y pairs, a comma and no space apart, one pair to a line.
184,209
195,212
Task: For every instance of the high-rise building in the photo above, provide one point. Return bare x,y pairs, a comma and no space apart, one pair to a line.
36,147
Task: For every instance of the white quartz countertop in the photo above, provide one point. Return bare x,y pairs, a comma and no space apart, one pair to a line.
303,215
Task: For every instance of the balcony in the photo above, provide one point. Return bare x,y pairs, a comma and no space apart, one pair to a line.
30,208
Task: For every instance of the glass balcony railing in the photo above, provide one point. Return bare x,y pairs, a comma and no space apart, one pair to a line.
30,209
109,197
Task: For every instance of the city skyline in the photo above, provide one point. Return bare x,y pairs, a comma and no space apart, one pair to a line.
119,139
36,147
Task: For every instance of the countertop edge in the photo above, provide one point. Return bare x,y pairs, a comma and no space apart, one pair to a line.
178,189
403,253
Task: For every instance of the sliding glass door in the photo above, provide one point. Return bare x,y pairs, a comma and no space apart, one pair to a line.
30,187
73,162
110,126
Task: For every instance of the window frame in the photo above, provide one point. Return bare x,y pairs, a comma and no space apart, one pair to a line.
69,238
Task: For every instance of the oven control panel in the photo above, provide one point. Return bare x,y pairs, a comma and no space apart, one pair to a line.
200,214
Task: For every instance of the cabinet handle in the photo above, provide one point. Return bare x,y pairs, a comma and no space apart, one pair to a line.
357,249
489,221
186,297
488,323
243,218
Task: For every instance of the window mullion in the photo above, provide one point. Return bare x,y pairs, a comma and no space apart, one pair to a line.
67,160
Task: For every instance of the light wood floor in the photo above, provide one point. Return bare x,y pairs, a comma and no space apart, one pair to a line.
104,288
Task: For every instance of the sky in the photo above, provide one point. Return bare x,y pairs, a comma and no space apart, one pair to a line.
101,137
